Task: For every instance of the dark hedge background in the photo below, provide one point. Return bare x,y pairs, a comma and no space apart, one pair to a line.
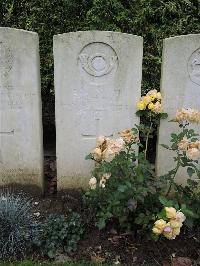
152,19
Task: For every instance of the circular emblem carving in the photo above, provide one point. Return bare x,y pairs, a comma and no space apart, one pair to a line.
98,59
194,67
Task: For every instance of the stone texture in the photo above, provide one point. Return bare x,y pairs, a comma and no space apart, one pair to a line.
97,84
180,87
21,153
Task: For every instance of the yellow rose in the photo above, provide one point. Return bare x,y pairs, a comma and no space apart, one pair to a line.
157,231
146,99
160,224
152,92
170,212
158,96
141,105
150,106
96,154
175,223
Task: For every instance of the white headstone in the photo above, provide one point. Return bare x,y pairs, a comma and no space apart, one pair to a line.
97,84
180,87
21,152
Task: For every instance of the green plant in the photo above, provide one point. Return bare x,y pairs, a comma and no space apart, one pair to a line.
59,234
17,226
123,188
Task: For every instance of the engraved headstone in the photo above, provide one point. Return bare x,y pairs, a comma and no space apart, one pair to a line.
180,87
97,84
21,152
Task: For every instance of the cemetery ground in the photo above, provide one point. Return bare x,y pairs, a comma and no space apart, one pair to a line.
109,246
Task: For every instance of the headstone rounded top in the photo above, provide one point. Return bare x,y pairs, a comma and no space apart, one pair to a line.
96,33
14,30
182,37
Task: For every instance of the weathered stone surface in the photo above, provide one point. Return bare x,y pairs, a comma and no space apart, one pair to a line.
180,87
97,84
21,153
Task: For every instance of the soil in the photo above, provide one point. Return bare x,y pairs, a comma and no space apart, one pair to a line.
111,246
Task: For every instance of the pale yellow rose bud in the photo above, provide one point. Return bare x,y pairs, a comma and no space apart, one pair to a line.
93,182
170,212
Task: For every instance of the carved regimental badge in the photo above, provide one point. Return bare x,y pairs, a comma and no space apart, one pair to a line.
98,59
194,67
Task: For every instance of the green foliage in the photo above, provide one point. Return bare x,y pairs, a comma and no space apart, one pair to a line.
17,226
59,234
130,195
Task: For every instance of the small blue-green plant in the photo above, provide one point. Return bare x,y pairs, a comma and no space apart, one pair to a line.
16,225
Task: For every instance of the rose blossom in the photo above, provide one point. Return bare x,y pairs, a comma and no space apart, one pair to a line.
183,144
193,154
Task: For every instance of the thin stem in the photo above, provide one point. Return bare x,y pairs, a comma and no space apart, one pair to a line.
172,181
147,140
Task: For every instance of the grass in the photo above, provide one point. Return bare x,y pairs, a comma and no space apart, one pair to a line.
32,263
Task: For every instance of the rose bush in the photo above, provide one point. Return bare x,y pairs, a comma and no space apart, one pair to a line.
124,189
